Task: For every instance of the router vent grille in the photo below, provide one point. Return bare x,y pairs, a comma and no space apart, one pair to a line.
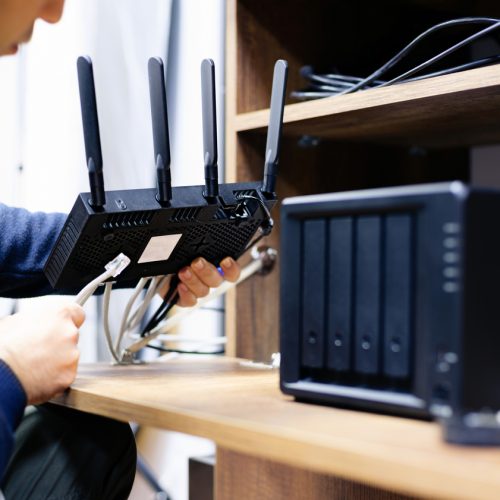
94,253
130,219
185,214
223,240
62,251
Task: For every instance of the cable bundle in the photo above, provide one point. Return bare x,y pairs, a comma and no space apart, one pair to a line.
134,313
330,84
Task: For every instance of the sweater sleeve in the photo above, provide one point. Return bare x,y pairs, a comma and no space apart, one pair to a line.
12,403
26,239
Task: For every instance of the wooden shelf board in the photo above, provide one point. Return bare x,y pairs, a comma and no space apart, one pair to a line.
241,408
451,110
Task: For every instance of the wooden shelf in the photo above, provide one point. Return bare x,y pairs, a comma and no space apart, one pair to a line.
241,408
417,132
452,110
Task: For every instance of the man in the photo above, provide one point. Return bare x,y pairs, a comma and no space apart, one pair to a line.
57,453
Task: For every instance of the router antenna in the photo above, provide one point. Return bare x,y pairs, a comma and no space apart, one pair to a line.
275,126
158,97
209,128
91,131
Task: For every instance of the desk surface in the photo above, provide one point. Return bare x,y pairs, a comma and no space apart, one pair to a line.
241,408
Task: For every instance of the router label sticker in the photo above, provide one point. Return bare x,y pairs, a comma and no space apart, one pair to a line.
159,248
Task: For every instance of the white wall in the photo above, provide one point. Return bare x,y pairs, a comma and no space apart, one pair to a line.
42,122
40,128
197,33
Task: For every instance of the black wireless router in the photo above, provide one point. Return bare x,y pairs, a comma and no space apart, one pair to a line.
165,229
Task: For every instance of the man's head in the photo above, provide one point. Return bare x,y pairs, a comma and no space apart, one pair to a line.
17,18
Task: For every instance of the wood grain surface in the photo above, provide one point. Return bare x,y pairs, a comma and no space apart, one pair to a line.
452,110
240,407
240,476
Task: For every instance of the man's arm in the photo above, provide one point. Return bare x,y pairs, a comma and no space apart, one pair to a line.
25,244
12,403
38,359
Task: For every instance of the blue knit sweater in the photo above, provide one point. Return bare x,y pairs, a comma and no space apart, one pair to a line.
25,243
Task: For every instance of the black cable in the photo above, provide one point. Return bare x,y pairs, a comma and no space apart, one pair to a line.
334,79
371,80
462,67
169,300
399,56
266,225
443,54
345,78
181,351
167,303
317,94
311,94
160,315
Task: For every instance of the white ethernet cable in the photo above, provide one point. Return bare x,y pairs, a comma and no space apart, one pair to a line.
113,269
131,321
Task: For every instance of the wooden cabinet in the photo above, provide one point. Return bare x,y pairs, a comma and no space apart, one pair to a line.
270,448
409,133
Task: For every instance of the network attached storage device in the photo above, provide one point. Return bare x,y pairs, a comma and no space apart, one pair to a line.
390,302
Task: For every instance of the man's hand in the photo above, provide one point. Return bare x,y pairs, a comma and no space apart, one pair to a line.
199,277
41,349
